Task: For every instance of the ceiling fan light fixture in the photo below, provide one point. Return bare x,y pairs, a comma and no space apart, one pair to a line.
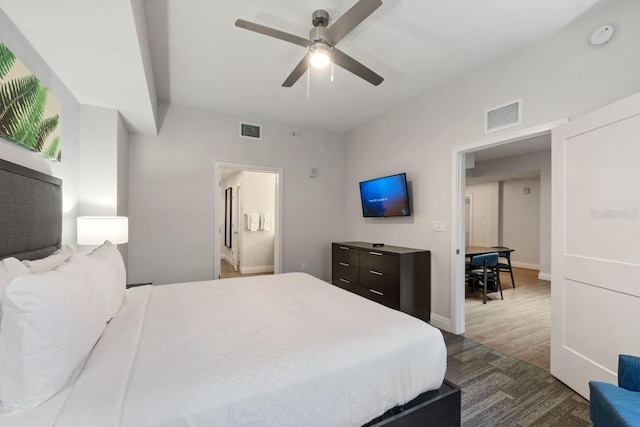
319,55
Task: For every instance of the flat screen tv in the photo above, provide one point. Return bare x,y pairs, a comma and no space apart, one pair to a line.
385,197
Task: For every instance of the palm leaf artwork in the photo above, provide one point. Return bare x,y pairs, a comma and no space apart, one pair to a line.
53,149
47,126
23,103
7,59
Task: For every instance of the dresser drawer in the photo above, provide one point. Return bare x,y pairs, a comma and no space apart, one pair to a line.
387,285
345,284
379,262
345,255
345,271
389,301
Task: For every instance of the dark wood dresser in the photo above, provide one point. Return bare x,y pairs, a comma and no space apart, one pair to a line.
397,277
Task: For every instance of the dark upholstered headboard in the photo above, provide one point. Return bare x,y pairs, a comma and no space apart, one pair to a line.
30,212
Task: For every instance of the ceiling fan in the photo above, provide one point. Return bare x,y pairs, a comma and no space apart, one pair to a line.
322,41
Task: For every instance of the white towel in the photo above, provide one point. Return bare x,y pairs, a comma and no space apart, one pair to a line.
266,222
253,220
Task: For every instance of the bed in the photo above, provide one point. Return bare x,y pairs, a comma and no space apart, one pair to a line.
281,350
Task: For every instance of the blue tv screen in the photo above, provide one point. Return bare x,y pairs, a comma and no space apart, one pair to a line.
386,196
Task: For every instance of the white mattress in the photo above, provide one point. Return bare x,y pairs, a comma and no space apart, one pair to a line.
282,350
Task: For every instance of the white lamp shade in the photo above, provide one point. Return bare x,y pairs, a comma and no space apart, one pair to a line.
94,230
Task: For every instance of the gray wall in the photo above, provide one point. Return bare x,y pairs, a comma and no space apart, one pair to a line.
521,221
541,161
171,189
563,76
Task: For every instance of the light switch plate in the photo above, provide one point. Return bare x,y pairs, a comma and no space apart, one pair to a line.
438,226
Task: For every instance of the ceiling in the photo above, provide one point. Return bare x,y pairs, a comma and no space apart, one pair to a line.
127,54
516,148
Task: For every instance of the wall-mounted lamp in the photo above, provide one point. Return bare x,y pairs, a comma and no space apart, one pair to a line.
94,230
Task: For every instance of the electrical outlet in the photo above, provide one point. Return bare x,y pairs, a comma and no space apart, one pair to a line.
304,266
438,226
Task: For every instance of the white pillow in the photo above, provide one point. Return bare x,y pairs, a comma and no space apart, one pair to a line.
109,267
51,321
10,268
50,262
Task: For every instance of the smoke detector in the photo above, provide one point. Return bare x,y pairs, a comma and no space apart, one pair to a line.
602,35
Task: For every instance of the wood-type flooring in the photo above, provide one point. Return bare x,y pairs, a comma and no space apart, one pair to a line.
226,271
520,324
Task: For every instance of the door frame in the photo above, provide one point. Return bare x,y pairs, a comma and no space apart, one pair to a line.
235,252
277,250
458,181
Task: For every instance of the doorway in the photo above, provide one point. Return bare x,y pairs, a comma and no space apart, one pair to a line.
248,220
458,212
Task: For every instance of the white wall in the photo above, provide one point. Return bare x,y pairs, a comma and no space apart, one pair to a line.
563,76
485,199
98,161
67,169
171,204
104,151
521,221
258,195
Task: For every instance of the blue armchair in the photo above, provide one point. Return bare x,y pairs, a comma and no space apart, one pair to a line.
613,406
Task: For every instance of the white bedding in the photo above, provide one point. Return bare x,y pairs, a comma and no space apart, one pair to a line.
282,350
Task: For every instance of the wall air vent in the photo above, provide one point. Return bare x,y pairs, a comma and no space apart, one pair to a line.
250,131
503,116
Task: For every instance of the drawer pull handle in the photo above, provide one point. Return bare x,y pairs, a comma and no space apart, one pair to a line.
377,273
344,280
344,264
376,292
344,248
376,253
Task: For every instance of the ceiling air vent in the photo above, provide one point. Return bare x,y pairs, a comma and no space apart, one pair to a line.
503,116
250,131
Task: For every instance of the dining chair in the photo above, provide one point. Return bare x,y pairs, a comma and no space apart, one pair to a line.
506,265
484,270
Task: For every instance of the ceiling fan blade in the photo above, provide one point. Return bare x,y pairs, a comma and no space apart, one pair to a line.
351,19
348,63
272,32
297,72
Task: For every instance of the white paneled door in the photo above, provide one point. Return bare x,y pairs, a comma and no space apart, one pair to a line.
595,289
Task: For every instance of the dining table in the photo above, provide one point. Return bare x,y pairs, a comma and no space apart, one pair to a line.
472,251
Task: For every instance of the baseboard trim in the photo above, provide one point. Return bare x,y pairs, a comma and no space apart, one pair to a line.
544,276
440,322
256,269
525,265
227,258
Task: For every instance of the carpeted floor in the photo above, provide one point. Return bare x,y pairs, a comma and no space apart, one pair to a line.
500,390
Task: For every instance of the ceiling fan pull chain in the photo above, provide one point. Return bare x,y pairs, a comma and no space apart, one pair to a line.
332,66
308,78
